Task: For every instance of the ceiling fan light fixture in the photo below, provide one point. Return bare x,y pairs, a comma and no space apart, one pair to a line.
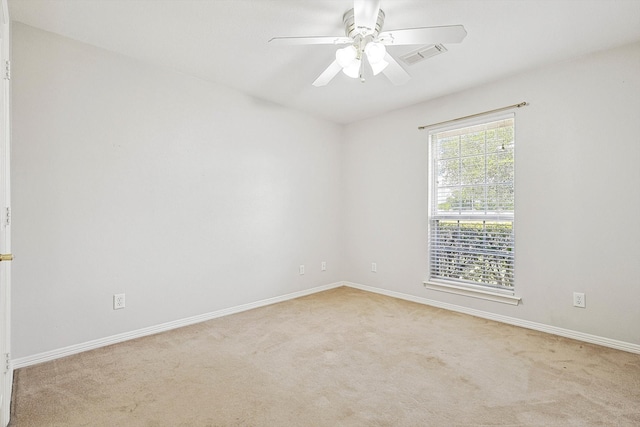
378,67
353,69
375,52
364,36
346,56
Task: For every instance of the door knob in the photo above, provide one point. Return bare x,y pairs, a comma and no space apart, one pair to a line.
6,257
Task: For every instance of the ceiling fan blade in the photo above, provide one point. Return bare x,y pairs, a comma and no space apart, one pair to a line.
394,71
328,74
365,13
424,35
310,40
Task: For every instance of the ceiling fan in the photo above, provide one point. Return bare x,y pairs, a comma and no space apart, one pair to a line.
364,38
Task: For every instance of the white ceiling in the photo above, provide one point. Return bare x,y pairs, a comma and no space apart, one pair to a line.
225,41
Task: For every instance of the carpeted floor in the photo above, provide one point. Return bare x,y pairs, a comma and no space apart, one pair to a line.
343,357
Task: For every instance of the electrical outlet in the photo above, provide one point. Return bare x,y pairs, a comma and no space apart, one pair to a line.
301,269
374,267
578,300
323,266
118,301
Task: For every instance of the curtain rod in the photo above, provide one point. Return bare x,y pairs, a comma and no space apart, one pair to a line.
522,104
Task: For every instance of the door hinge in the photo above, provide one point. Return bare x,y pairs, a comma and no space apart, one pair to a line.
7,359
7,70
7,217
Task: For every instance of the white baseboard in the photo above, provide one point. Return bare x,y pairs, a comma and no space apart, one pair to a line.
114,339
580,336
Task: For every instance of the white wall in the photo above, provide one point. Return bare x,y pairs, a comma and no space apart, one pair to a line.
190,197
187,196
577,194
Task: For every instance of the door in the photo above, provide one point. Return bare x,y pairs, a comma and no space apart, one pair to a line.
6,371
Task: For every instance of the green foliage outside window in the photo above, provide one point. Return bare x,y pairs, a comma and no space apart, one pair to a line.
474,251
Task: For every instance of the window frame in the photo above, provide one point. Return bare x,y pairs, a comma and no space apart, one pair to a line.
463,287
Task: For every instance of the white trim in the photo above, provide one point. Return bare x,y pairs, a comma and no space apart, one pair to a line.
91,345
114,339
5,13
469,291
567,333
6,384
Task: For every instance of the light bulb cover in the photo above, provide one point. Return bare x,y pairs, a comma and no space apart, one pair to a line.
346,56
378,67
353,69
375,52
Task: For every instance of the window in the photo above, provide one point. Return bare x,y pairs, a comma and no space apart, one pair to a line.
471,212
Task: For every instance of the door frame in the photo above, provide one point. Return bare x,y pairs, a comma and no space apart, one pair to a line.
6,370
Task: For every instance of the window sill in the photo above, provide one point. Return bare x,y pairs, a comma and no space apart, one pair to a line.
503,297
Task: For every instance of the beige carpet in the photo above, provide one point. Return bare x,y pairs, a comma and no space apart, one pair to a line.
338,358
